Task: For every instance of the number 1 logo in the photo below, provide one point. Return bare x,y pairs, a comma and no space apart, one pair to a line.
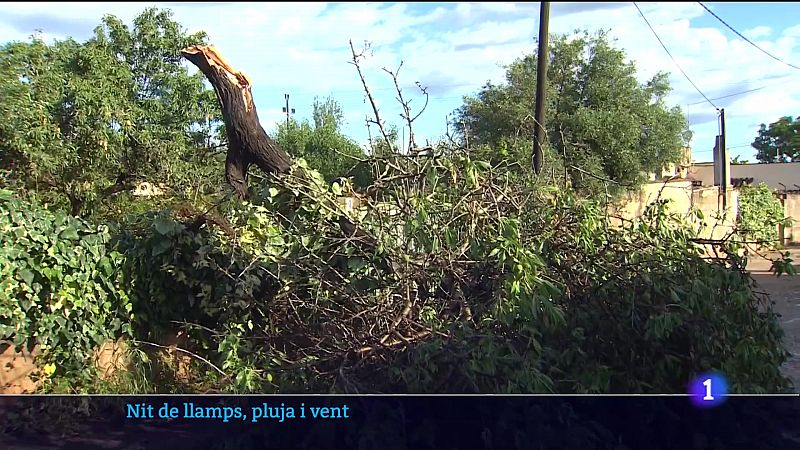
708,396
708,390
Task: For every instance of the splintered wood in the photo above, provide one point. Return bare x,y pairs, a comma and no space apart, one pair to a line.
211,59
248,143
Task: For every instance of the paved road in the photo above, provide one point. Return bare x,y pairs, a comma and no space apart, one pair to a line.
785,293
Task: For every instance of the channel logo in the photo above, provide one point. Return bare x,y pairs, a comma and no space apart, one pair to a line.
708,390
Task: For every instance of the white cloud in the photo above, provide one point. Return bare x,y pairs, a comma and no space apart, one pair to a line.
758,32
792,31
770,103
302,49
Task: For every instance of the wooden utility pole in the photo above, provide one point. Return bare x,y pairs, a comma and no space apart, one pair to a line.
539,132
723,151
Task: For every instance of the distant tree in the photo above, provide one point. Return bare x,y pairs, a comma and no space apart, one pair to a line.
380,147
323,145
81,122
780,142
327,112
600,120
736,160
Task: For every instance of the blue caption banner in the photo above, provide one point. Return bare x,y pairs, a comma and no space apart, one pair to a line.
385,422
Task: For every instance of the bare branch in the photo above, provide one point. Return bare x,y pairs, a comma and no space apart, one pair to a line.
377,121
193,355
406,105
424,91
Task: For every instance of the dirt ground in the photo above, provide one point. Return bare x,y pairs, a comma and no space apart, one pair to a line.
785,293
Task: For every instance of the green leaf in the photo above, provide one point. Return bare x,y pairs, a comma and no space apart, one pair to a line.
161,247
69,233
356,264
26,275
164,225
483,165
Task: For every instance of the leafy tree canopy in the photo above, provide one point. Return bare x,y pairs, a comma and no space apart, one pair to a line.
323,145
780,142
80,122
600,119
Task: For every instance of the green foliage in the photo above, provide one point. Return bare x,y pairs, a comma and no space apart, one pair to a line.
490,288
600,119
379,145
81,122
760,214
61,287
459,273
737,160
324,146
780,142
179,275
635,325
625,319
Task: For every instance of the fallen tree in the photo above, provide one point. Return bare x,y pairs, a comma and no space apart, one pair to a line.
496,286
248,143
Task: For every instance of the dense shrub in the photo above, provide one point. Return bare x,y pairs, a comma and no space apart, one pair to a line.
59,286
457,281
760,214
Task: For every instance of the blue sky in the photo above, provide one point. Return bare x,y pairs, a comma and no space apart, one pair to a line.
454,48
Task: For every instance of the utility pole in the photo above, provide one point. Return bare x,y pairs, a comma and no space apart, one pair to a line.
542,57
724,153
287,110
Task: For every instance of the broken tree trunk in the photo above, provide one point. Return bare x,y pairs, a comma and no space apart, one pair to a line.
248,143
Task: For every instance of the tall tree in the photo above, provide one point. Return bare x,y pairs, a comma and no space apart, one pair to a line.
80,122
601,121
323,145
780,142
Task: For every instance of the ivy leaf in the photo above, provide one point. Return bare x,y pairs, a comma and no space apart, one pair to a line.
27,276
164,225
69,233
161,247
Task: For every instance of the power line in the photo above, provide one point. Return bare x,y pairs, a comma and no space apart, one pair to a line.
670,55
730,95
747,40
743,92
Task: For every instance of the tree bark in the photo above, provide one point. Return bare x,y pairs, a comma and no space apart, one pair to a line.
248,143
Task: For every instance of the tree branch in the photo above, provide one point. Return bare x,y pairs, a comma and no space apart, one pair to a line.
377,121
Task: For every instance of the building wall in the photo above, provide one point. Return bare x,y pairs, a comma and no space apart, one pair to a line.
679,169
771,174
709,201
703,172
634,204
791,207
683,200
